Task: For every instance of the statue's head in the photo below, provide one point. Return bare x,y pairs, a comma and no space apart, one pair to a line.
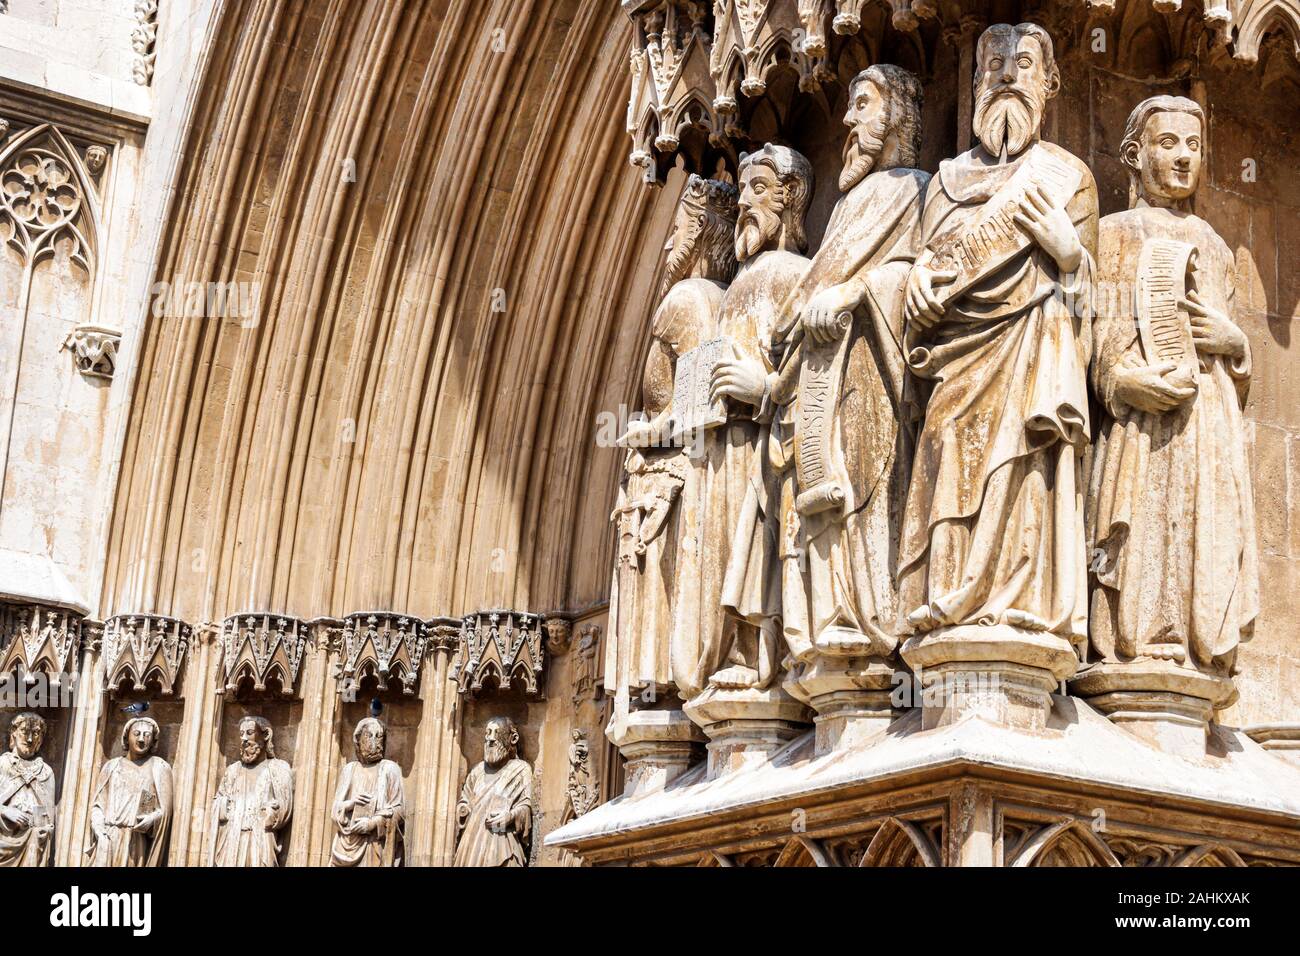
775,185
1163,145
884,121
256,740
701,239
140,736
370,740
1015,76
27,734
500,741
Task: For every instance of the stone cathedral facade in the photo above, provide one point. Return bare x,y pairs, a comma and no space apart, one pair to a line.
561,432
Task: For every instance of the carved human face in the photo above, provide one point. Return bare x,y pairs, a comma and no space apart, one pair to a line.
371,742
252,743
497,742
762,204
27,738
1168,159
140,738
682,241
868,121
1010,93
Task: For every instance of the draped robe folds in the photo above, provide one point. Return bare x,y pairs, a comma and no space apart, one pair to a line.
993,529
248,836
653,551
731,512
382,782
1170,509
26,785
485,793
840,569
126,792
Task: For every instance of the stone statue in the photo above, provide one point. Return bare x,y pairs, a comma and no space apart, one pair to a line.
254,801
651,552
368,804
843,378
727,618
494,815
1170,510
131,812
992,551
26,796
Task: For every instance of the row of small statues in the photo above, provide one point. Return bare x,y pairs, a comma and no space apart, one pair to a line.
891,439
131,810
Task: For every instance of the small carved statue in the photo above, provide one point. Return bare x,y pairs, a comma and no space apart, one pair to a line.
254,801
1171,517
998,305
26,796
131,813
369,804
495,813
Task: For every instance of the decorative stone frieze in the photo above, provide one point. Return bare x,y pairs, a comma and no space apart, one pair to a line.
266,649
143,652
37,639
500,647
143,39
382,645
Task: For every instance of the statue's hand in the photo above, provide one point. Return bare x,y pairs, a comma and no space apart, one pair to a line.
17,819
1051,228
1145,388
1212,331
146,823
924,307
740,378
640,434
822,318
500,821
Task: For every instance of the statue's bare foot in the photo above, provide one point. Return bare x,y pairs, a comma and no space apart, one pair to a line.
736,677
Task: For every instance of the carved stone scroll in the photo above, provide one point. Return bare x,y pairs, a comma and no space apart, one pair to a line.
823,481
266,649
1166,273
144,650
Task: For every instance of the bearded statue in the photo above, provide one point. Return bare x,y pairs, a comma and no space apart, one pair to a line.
26,796
254,801
494,815
369,803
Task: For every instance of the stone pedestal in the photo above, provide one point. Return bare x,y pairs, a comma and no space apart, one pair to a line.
1002,673
1281,740
746,726
658,746
849,694
1164,703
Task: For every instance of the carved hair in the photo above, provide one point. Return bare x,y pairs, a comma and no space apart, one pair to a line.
796,175
268,733
126,730
1137,124
904,95
714,203
26,717
512,733
1050,70
356,734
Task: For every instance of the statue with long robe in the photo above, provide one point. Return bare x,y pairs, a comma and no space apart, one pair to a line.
254,801
369,803
999,308
131,811
495,812
1171,516
26,796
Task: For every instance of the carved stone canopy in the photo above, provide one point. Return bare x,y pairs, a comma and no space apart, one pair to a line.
382,645
500,647
144,652
266,649
35,638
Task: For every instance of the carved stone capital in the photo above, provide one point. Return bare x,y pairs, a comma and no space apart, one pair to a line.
382,645
144,652
263,650
500,647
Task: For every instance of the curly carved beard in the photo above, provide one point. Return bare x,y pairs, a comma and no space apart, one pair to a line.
861,150
250,751
1007,117
754,230
495,752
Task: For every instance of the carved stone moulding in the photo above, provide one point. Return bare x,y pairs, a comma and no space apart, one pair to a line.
1281,739
36,639
262,652
498,649
144,653
383,645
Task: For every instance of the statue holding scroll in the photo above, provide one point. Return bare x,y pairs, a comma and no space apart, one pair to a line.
253,802
842,384
653,553
998,306
26,796
727,618
1170,512
131,812
369,803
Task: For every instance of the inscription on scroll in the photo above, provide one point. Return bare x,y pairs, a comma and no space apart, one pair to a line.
822,484
1166,273
692,379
